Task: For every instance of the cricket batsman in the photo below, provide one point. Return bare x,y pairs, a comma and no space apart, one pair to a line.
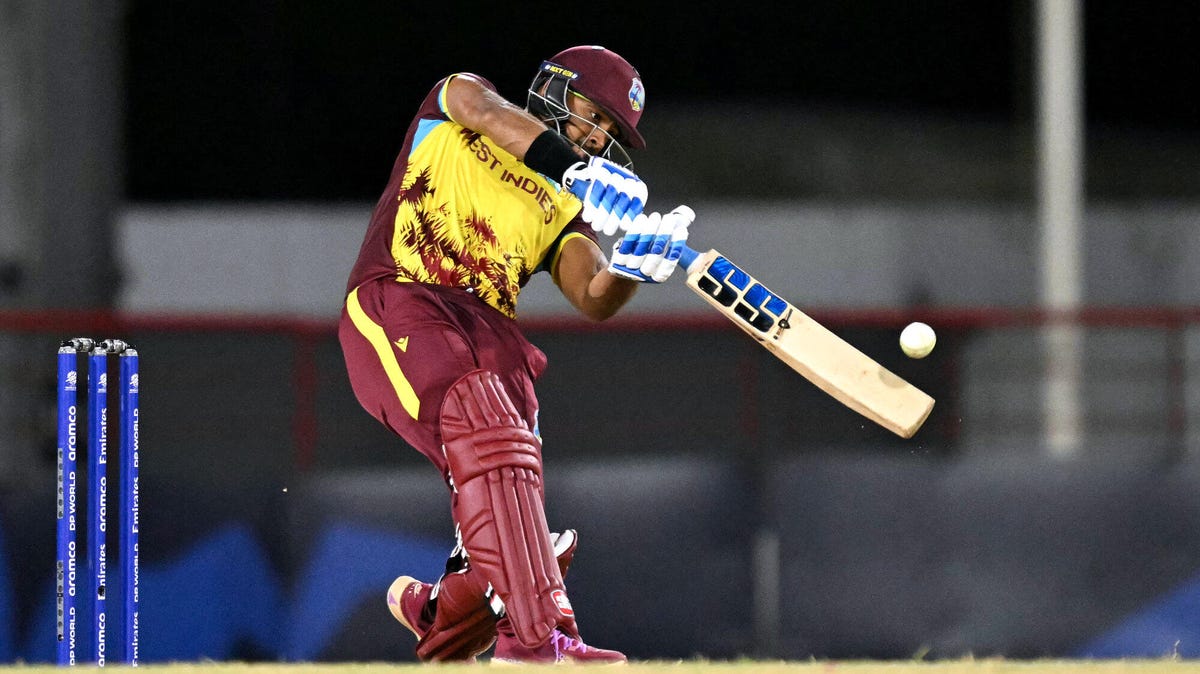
477,203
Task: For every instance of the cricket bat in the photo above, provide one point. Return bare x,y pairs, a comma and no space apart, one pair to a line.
808,347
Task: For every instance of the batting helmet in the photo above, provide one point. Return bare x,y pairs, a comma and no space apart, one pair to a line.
598,74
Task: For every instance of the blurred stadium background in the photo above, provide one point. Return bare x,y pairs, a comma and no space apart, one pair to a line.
1023,175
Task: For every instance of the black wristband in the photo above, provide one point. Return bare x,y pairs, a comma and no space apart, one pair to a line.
551,155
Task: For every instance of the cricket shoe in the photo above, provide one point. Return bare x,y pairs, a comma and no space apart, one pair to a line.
408,600
564,545
561,649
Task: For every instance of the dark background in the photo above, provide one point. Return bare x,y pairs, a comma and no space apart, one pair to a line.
264,478
310,100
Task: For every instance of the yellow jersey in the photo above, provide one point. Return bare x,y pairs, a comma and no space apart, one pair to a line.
460,211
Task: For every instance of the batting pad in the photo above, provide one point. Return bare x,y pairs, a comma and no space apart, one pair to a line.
496,468
464,625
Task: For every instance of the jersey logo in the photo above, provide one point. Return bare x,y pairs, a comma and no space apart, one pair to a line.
402,344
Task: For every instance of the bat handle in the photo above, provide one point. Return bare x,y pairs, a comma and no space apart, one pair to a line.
688,257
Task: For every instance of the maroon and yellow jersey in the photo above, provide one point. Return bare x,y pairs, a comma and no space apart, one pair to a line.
460,211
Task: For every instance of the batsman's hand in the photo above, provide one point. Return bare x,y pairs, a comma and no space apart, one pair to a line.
612,196
650,249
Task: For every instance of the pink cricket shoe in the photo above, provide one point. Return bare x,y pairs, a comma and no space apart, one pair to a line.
408,600
560,650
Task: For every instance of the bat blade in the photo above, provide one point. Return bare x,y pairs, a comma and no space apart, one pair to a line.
808,347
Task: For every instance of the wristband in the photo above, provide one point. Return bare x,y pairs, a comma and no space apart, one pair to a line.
551,155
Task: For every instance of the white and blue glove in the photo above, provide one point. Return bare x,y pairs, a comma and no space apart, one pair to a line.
650,249
612,196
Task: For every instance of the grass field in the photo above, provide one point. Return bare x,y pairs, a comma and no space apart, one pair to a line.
969,666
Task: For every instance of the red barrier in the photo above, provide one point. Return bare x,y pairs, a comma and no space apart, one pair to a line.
70,321
306,334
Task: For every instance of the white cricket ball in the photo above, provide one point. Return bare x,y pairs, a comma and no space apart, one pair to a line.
917,340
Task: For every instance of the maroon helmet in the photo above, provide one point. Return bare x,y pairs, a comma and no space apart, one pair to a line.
599,75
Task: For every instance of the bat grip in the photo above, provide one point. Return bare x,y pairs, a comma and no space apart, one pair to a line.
688,257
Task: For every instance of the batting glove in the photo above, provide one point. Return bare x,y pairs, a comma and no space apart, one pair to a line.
612,196
650,249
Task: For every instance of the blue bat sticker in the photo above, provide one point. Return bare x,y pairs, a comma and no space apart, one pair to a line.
750,300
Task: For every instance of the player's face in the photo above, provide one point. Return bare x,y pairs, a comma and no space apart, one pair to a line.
589,126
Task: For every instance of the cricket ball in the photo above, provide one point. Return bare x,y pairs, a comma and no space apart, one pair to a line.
917,340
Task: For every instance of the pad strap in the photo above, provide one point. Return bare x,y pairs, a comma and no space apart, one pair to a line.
495,467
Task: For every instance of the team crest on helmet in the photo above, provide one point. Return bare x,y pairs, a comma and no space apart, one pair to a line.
637,95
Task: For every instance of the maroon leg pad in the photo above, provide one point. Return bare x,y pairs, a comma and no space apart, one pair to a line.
496,468
564,552
464,625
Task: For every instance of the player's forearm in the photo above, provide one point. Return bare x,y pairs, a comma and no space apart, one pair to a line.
587,284
483,110
605,295
511,128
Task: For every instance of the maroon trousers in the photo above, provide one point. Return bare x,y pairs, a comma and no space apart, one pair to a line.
405,344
